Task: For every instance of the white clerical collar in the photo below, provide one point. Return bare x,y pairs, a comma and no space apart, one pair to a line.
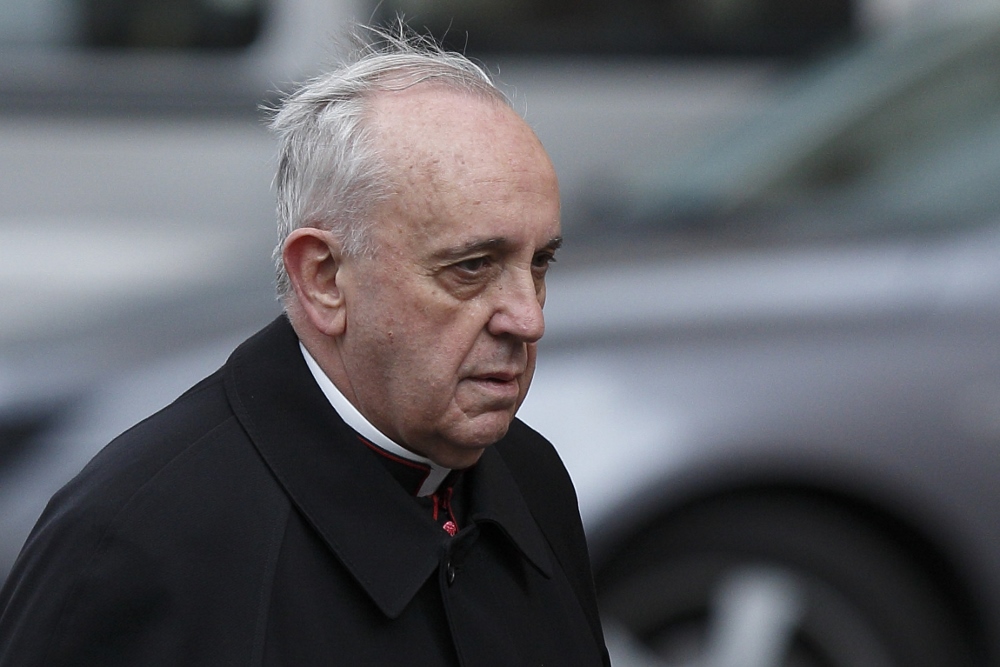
357,421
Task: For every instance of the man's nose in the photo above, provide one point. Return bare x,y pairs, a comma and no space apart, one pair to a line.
518,311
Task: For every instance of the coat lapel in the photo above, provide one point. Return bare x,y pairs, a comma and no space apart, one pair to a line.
496,498
365,517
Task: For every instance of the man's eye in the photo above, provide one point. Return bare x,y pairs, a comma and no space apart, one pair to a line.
542,261
473,264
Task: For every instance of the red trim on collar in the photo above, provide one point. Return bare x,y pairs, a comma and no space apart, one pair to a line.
399,459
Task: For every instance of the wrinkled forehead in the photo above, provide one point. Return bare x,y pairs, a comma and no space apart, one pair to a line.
430,135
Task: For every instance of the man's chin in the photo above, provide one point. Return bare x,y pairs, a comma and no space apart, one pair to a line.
466,444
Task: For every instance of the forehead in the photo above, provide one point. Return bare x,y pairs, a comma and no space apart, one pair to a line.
461,164
429,121
438,138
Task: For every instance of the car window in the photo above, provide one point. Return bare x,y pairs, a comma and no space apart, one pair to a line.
647,27
159,57
899,136
130,24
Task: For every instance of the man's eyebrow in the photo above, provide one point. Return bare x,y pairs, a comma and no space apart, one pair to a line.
499,243
554,243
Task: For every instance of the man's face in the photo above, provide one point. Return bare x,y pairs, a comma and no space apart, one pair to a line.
442,322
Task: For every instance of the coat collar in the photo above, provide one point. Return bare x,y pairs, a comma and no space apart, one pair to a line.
371,524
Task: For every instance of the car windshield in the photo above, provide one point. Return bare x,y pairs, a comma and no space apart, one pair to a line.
898,136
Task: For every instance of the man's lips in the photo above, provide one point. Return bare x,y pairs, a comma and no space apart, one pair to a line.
500,376
503,384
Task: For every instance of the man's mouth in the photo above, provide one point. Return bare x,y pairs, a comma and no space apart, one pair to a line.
502,384
500,377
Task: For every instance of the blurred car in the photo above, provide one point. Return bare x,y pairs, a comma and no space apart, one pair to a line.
776,375
772,364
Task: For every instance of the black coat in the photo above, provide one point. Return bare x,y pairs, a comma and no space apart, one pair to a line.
245,525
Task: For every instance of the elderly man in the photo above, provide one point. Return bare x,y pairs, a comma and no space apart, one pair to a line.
351,488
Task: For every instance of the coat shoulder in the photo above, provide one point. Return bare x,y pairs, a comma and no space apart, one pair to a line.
161,454
179,491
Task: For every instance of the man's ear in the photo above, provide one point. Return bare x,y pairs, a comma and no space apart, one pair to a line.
312,260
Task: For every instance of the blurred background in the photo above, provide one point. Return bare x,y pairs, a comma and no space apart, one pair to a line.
772,358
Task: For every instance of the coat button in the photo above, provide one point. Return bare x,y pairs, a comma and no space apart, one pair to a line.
450,573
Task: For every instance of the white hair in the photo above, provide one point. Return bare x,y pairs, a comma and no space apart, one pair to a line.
330,173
